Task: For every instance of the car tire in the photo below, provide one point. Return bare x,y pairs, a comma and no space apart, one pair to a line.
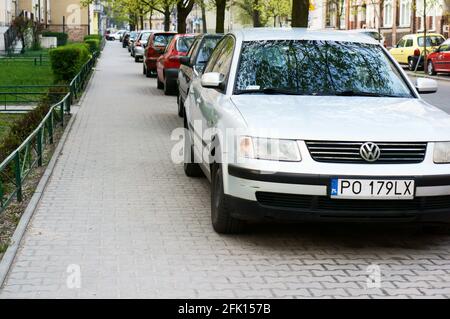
180,106
190,169
148,73
143,69
221,219
159,84
136,59
411,64
430,68
168,89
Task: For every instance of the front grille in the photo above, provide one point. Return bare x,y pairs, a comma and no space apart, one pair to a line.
349,152
324,204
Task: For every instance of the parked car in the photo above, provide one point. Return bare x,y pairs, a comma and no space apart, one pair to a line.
439,60
121,34
156,46
411,47
193,63
125,39
133,36
373,33
168,64
140,44
303,125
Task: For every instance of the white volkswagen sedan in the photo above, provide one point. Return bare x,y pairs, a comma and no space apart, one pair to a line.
291,124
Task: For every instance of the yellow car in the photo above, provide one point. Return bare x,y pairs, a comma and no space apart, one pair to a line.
411,47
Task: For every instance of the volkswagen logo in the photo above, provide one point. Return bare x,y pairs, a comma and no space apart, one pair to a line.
370,152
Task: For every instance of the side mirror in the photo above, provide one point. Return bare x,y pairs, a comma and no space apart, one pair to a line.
212,80
185,60
426,86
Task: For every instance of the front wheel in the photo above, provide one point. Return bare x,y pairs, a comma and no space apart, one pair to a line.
430,68
221,219
191,169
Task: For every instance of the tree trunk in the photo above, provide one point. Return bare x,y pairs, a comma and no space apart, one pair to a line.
166,19
141,17
220,16
205,27
150,19
183,11
300,12
256,15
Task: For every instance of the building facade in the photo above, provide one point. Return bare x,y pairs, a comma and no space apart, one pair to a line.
6,12
394,18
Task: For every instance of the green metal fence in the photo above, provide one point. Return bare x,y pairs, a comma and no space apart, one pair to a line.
15,169
22,95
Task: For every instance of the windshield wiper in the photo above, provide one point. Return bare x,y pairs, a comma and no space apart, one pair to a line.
360,93
270,90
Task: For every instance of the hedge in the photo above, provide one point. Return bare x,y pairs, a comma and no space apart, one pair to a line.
67,61
93,37
94,45
60,36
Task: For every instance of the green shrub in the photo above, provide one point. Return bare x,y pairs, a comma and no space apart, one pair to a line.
93,37
60,36
67,61
94,45
22,128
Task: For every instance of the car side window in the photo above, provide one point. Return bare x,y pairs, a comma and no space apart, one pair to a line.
214,56
222,63
193,49
409,43
401,43
444,48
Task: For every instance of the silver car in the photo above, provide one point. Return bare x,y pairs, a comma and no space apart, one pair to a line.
140,44
291,124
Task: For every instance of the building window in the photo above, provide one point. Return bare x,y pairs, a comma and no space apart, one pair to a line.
405,13
387,13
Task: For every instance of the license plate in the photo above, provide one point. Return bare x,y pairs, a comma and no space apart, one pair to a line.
372,189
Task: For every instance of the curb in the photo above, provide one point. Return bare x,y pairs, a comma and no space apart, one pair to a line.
423,75
16,239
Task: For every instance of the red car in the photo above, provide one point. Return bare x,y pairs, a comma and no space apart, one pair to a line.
156,45
439,60
168,64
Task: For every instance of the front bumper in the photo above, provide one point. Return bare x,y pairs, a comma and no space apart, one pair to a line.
258,195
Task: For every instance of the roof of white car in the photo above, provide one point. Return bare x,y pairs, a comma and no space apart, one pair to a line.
258,34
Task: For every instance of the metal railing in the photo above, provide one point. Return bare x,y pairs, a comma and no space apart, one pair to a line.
15,169
13,97
36,60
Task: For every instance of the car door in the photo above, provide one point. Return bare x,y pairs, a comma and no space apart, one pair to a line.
408,50
397,52
207,101
445,57
186,72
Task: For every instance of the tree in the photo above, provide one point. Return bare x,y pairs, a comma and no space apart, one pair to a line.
184,7
300,13
252,10
220,15
277,9
22,24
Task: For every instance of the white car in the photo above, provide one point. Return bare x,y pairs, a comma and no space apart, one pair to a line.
291,124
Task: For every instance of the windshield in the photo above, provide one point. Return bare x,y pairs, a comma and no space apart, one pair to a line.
318,68
432,41
162,40
184,43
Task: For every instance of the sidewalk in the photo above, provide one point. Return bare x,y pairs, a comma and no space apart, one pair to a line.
119,219
438,77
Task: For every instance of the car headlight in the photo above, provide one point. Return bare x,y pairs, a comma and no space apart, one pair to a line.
442,153
269,149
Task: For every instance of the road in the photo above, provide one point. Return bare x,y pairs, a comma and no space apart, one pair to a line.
441,98
119,219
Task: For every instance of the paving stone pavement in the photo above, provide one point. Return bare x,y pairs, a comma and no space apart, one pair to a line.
119,211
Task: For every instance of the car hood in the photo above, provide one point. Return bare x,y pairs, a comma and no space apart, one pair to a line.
343,118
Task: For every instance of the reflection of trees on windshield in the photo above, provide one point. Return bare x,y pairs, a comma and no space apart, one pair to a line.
318,67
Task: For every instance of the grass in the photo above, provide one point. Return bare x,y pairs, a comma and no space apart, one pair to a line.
25,73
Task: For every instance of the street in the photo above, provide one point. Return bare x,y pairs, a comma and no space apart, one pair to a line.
442,97
118,213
